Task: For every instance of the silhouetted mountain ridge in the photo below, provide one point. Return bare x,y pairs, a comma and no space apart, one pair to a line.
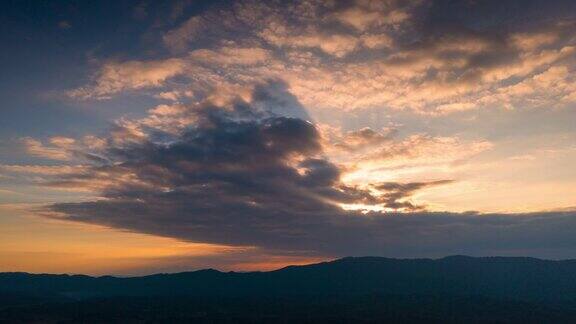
503,277
454,289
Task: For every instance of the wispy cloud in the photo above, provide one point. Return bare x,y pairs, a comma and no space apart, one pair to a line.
56,151
115,77
357,55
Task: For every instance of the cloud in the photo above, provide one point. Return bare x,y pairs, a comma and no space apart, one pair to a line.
178,38
530,41
115,77
337,45
368,155
230,158
66,149
231,56
55,152
396,192
42,169
336,232
241,175
553,88
62,142
367,14
355,55
362,139
422,146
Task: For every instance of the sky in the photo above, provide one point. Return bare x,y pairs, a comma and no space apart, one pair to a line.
142,136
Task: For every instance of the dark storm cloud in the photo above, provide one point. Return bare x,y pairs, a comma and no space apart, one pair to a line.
332,232
242,169
242,176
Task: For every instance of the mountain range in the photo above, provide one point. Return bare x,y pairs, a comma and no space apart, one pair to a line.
367,289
